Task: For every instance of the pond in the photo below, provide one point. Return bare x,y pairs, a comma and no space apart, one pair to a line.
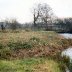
67,52
66,35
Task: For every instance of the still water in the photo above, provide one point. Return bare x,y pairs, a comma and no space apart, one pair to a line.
66,35
67,52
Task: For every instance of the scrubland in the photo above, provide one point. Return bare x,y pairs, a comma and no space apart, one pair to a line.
31,51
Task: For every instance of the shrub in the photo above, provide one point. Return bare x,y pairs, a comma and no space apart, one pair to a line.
70,67
26,45
5,53
35,39
1,46
19,45
66,60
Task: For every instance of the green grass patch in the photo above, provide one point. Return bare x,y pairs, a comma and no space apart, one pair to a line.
19,45
30,65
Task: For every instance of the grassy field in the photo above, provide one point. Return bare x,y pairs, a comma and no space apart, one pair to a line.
21,51
29,65
22,44
28,44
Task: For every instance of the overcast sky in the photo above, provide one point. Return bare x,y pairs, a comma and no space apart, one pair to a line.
21,9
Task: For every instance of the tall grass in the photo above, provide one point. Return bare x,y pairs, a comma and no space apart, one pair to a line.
26,44
35,43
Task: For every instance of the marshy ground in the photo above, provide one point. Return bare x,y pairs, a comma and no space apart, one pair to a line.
31,51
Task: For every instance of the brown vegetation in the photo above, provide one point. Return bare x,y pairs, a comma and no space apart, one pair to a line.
31,44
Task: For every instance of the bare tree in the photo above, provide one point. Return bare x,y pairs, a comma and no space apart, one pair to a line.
42,12
12,23
35,14
45,12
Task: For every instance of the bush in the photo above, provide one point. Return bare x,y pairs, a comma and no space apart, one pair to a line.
5,53
70,67
66,60
35,42
19,45
1,46
35,39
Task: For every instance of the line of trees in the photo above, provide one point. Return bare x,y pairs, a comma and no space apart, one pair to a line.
43,18
65,24
10,24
